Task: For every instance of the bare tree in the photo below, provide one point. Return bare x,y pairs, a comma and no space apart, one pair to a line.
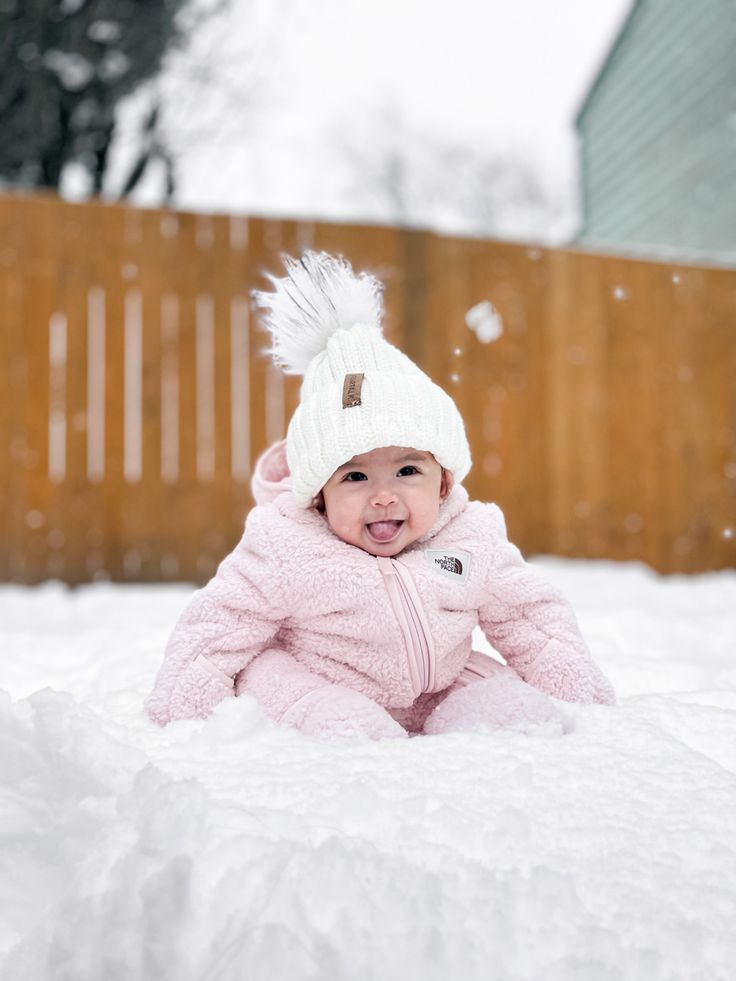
64,67
207,95
408,176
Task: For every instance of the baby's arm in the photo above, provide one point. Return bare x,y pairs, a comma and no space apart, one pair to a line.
531,624
225,625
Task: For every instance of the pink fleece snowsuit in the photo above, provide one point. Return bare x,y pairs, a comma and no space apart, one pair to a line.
331,639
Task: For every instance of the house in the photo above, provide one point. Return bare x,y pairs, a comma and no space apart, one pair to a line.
658,134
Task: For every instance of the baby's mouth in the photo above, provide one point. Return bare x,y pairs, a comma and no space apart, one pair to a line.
384,531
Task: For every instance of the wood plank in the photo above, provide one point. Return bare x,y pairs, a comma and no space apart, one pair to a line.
716,504
510,281
114,268
577,409
12,375
189,489
560,422
140,278
680,400
39,304
78,506
175,444
635,433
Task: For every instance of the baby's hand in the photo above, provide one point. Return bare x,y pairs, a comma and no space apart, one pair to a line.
563,675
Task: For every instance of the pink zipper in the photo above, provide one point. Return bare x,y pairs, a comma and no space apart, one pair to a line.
409,611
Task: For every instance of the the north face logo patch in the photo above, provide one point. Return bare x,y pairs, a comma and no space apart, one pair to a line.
452,564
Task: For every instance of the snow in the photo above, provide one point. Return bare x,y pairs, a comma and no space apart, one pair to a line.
231,848
485,321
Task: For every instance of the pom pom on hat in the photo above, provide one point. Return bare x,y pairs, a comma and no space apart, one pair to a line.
320,295
359,392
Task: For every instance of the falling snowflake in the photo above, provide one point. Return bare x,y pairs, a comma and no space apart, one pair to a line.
485,321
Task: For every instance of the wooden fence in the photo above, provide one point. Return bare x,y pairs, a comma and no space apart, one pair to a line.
135,395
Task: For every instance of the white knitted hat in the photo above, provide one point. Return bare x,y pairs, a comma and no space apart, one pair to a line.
359,392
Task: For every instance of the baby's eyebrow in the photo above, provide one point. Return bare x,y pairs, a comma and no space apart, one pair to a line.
412,458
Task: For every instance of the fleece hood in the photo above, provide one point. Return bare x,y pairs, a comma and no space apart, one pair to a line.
271,476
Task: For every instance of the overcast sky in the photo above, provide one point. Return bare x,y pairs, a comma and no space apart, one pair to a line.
495,74
460,64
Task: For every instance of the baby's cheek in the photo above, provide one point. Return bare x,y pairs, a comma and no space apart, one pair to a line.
423,520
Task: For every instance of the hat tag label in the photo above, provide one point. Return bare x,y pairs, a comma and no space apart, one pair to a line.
351,389
453,564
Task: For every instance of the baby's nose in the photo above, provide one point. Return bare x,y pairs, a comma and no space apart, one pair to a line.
384,495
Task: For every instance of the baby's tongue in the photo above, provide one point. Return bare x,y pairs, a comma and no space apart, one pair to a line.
383,531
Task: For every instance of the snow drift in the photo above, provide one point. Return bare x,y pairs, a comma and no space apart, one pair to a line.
231,849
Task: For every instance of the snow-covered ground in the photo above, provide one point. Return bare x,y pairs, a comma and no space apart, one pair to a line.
232,849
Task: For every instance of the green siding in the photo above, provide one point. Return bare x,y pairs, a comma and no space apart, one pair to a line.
658,132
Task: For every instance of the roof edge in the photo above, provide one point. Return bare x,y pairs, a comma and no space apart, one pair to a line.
603,68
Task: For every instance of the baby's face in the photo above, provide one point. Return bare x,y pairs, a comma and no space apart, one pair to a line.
384,500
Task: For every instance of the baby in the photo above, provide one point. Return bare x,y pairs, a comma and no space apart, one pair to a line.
349,604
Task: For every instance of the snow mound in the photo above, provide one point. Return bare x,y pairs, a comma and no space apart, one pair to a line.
232,848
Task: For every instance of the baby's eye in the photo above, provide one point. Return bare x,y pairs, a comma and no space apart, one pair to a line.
408,471
355,475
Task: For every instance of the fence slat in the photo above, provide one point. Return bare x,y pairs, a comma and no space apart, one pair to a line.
12,372
39,305
77,512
